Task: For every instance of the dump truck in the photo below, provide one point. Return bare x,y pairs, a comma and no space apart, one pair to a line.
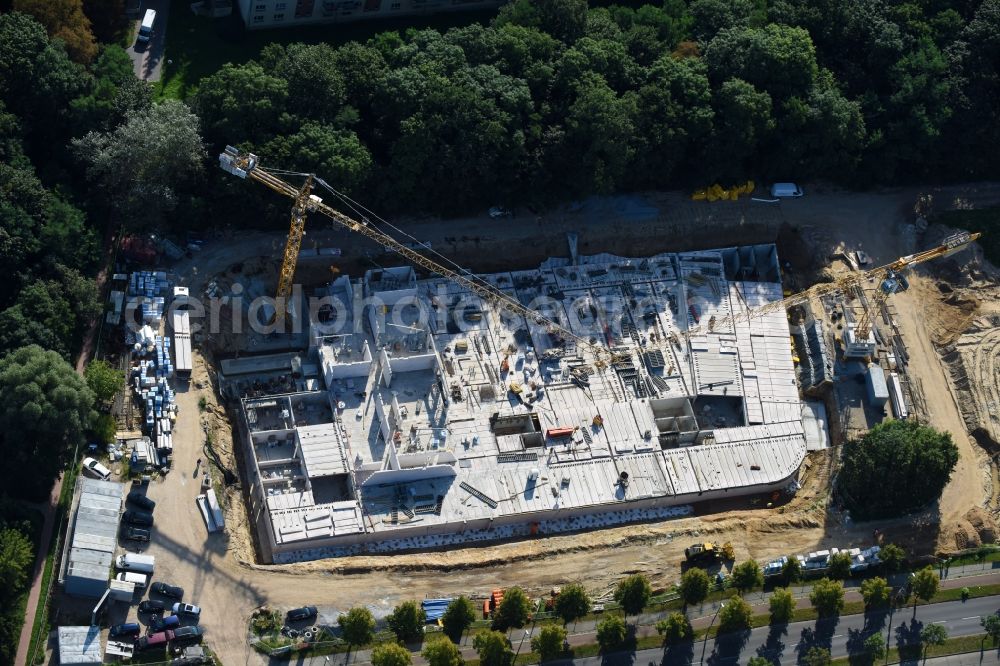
703,553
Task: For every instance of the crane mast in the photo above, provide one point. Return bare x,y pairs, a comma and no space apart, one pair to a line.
246,165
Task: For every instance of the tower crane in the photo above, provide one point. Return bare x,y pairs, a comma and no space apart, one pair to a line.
246,165
887,277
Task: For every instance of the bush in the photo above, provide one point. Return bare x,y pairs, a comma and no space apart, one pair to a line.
896,468
265,622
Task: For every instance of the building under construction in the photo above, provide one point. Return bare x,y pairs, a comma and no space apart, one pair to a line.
430,417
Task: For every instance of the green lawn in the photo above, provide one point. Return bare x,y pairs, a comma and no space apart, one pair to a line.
984,220
198,46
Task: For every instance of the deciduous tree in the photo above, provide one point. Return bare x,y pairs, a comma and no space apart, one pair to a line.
45,409
897,467
390,654
747,575
548,643
457,617
675,628
827,596
442,652
694,585
572,603
633,593
735,616
407,621
782,605
493,648
611,632
514,611
358,626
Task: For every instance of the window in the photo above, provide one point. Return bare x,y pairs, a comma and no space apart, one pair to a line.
279,6
394,5
258,19
278,17
261,8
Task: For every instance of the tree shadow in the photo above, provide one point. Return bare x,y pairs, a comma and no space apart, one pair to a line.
727,647
908,641
624,654
774,645
678,654
820,635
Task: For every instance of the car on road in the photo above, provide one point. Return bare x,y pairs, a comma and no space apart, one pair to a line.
96,469
186,609
167,590
127,629
304,613
152,606
136,534
162,623
140,500
188,634
143,518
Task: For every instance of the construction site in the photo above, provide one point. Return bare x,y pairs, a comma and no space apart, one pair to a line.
425,407
581,396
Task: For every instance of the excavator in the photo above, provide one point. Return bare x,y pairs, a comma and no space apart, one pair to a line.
247,165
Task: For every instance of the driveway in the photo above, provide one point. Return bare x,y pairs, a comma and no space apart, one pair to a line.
148,62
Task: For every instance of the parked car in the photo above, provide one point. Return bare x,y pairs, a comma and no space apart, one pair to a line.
172,591
127,629
188,634
96,469
786,190
159,639
136,534
186,609
498,211
161,623
140,500
152,606
138,518
304,613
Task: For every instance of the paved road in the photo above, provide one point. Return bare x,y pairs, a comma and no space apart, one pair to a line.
840,635
148,62
784,645
49,510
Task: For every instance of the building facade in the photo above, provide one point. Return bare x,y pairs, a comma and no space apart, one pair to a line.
259,14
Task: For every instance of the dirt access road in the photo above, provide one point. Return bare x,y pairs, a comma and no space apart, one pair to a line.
214,569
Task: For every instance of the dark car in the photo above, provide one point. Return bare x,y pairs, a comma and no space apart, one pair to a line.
172,591
127,629
139,499
152,606
188,634
168,622
136,534
304,613
138,518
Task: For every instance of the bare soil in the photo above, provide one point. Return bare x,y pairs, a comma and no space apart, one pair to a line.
219,571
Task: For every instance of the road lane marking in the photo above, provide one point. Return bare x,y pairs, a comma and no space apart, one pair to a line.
974,617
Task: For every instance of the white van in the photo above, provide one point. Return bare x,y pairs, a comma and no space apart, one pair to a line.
132,577
146,28
786,190
136,562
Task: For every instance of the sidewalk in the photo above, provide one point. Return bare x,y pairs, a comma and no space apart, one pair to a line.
36,580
